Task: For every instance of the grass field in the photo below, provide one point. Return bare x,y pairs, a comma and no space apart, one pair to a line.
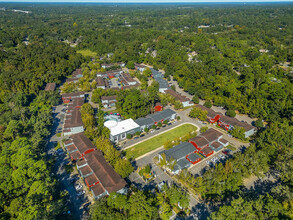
87,53
158,141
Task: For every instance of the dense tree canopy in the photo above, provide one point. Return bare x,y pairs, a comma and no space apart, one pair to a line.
235,56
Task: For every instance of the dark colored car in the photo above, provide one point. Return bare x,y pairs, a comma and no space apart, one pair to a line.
86,206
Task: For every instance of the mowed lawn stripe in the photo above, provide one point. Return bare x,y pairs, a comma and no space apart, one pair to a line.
158,141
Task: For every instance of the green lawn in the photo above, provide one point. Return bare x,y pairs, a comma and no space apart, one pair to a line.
87,53
158,141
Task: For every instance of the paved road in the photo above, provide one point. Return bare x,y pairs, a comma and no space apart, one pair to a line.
74,202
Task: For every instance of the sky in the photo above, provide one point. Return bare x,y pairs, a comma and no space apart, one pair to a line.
145,1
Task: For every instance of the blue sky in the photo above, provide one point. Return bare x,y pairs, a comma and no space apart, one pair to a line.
146,1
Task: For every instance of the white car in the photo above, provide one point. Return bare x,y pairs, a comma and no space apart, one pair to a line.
222,156
216,159
208,162
81,193
78,187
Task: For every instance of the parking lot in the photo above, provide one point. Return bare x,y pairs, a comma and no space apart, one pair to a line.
160,175
78,199
207,163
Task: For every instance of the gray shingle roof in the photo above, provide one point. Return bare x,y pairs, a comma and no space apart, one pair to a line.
193,156
183,163
158,116
179,151
144,121
167,113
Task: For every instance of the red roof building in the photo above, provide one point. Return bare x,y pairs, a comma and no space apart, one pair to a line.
193,158
199,142
212,116
67,97
99,175
78,146
50,87
206,151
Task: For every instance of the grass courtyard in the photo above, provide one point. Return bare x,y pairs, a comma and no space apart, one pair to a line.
87,53
158,141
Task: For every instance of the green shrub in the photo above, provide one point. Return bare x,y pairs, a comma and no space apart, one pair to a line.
208,104
203,129
259,123
231,113
195,99
129,136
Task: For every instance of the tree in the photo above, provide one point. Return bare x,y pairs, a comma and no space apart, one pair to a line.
238,132
147,72
173,87
12,129
259,123
146,130
130,65
154,127
208,104
123,167
163,161
118,201
177,196
178,105
195,99
140,207
165,122
165,209
160,124
198,113
231,113
168,144
203,129
100,210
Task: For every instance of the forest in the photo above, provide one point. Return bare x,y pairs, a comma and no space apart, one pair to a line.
231,55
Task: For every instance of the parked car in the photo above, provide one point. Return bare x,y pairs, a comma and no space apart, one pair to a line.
222,156
59,152
209,162
81,193
72,180
227,151
78,187
86,206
